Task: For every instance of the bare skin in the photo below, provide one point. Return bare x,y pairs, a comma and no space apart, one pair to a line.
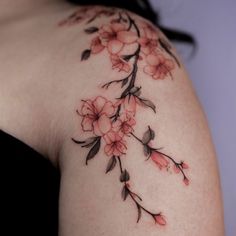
42,83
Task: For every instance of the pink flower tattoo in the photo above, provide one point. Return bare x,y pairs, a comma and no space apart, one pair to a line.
96,115
112,122
158,66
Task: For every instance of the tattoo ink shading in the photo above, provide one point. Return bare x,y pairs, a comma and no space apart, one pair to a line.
113,122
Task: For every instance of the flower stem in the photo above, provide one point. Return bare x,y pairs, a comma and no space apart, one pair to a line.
177,164
174,162
133,195
137,138
120,164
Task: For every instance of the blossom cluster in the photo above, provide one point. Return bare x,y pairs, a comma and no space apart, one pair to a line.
115,38
127,43
97,117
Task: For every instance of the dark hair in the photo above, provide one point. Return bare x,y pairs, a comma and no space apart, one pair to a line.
144,9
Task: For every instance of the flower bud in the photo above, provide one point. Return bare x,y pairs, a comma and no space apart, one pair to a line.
160,219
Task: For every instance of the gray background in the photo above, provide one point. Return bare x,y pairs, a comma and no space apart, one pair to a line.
212,70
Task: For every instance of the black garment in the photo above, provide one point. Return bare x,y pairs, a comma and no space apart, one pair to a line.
30,188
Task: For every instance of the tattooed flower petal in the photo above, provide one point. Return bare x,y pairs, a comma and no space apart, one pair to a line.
186,181
96,115
127,37
87,124
87,108
176,169
119,63
159,160
130,103
102,125
103,106
124,124
116,27
158,66
115,46
150,70
160,219
96,45
115,144
184,165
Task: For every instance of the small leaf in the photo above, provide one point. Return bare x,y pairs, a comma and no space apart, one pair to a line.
94,150
148,103
146,150
124,176
133,90
77,141
148,135
89,142
124,82
111,164
138,92
139,212
85,54
91,30
127,57
124,193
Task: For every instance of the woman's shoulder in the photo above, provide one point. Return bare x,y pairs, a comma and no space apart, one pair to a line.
126,95
114,54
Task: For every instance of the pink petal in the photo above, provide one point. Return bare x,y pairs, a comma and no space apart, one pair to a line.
107,138
110,137
116,125
127,36
96,46
87,124
159,160
146,50
115,46
131,122
176,169
96,129
151,32
99,103
158,75
143,41
184,165
121,147
126,67
150,70
160,220
117,27
153,60
169,64
106,28
186,181
164,162
108,150
87,108
108,108
130,103
104,124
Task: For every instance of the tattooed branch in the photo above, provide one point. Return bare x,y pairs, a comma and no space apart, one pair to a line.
112,122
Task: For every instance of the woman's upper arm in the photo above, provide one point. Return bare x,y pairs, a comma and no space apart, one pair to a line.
136,146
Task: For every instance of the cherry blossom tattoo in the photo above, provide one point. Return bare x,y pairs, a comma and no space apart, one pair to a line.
113,122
